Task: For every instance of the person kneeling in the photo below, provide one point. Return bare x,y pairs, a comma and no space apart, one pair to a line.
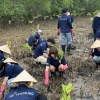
54,63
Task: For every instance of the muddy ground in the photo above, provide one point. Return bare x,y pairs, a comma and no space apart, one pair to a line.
81,72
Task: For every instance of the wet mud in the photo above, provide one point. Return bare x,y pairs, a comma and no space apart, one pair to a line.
81,72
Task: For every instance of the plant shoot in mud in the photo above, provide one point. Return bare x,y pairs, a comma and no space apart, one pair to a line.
27,47
9,43
66,89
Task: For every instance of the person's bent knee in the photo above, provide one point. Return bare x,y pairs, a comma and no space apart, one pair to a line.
95,59
52,68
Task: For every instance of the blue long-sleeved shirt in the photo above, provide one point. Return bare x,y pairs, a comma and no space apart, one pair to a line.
64,23
96,24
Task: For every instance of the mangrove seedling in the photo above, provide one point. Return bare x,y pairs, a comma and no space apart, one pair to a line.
66,90
9,43
27,47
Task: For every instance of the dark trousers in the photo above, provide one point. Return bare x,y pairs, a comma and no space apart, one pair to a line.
41,97
94,31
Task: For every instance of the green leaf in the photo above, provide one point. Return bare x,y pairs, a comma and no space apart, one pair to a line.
27,47
9,43
66,89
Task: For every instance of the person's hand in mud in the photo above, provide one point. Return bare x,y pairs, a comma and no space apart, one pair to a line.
90,57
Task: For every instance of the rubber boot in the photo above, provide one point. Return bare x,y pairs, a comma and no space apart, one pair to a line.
63,48
52,74
96,68
62,75
68,49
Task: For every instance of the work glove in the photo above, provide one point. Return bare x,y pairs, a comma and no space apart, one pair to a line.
46,82
91,57
2,90
58,32
64,67
73,32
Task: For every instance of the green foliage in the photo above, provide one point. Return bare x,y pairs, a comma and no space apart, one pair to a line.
9,43
26,11
66,89
27,47
91,19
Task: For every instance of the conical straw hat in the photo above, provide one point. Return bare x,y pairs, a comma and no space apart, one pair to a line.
9,60
24,76
96,44
5,48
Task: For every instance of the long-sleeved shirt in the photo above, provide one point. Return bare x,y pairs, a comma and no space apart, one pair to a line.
64,24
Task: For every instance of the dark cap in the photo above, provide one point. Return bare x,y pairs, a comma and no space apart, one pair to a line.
64,10
34,40
51,40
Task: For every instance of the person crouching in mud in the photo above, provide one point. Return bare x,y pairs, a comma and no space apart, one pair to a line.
9,69
54,63
23,90
41,52
36,35
95,53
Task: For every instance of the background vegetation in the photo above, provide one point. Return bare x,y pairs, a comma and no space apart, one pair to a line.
19,11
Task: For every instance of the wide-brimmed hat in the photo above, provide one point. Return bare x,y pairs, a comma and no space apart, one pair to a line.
9,60
24,76
96,44
5,48
98,15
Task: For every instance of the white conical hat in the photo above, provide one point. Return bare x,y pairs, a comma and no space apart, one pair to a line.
98,15
9,60
5,48
24,76
96,44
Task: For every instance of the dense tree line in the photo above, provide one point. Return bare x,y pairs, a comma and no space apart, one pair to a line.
26,11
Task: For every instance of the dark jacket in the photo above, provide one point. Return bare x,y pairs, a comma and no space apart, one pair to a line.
96,24
22,92
64,23
95,52
30,40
